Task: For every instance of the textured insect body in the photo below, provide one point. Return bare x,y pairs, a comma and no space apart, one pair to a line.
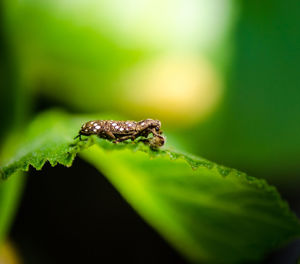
118,131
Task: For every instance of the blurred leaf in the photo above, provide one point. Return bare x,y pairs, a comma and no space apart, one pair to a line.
10,190
211,214
208,212
93,51
9,196
258,126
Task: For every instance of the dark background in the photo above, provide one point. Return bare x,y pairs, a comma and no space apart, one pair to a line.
92,224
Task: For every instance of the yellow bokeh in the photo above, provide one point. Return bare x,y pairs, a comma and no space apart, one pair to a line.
8,254
175,89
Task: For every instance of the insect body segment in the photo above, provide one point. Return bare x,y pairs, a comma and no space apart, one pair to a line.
122,130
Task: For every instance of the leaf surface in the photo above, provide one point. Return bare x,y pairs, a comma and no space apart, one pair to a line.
208,212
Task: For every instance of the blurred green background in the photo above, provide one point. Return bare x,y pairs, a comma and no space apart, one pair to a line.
223,76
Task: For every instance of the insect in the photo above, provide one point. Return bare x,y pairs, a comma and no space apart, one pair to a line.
118,131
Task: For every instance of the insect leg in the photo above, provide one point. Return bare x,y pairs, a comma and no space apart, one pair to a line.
155,133
110,134
78,136
132,137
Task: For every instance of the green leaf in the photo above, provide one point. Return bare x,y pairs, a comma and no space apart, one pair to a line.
48,138
208,212
10,192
